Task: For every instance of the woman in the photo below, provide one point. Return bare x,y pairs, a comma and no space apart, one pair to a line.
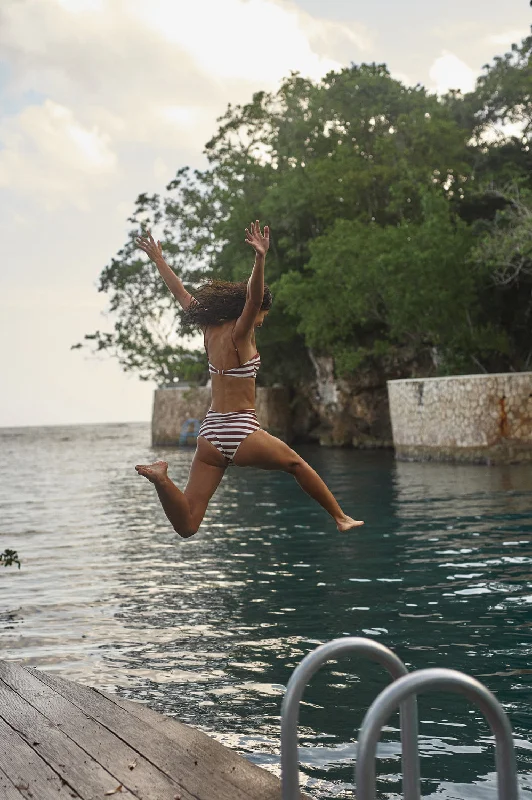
228,314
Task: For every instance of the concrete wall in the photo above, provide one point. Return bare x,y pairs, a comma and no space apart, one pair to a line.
173,406
476,418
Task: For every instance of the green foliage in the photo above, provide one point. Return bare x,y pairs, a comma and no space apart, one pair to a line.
191,367
368,288
9,557
504,246
387,231
503,94
502,257
501,110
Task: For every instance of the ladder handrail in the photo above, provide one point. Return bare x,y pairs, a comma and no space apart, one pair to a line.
294,692
421,681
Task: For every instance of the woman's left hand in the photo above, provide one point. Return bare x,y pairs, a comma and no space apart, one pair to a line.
260,242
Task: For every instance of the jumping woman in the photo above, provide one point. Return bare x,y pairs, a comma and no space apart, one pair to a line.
228,314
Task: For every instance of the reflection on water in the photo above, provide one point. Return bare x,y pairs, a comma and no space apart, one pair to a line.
209,629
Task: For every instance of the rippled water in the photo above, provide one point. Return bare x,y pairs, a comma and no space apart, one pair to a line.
209,629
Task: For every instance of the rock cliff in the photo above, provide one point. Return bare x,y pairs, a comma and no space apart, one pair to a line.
350,411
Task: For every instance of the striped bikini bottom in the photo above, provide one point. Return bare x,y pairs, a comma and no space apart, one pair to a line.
227,431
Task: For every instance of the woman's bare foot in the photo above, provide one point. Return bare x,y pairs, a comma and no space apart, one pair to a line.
153,472
346,523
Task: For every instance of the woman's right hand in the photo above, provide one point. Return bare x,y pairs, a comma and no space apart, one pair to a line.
153,249
259,242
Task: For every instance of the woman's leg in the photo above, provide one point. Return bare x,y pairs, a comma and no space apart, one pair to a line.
186,510
264,451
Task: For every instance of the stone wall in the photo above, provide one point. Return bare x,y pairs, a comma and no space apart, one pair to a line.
173,406
476,418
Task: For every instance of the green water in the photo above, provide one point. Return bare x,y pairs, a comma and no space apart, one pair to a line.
210,629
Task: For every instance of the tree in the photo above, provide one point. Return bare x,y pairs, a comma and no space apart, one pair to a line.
502,260
369,289
378,198
500,109
302,159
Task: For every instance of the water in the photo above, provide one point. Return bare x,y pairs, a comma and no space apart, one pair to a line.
209,629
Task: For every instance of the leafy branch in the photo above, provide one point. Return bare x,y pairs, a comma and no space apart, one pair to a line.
9,557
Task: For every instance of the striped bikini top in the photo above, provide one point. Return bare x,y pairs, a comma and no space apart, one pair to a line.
247,370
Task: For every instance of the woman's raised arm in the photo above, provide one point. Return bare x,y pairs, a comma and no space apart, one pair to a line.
255,291
154,251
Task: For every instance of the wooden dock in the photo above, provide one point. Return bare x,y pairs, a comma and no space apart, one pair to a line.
61,740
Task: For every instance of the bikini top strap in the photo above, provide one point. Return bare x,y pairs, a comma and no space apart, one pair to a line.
236,348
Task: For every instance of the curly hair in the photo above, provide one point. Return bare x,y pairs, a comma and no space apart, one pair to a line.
216,302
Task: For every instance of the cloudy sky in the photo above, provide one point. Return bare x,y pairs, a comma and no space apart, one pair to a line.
103,99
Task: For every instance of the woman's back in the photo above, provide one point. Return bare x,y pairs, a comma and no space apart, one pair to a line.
234,391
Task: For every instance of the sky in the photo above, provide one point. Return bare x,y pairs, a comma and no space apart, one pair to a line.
101,100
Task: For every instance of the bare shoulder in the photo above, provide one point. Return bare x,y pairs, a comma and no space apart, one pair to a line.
246,337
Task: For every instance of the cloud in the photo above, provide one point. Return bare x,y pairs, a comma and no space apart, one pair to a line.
256,40
127,85
450,72
507,38
46,151
77,6
402,77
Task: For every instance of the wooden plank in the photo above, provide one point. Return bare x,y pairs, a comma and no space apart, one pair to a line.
143,779
7,789
168,725
68,760
27,771
171,727
205,767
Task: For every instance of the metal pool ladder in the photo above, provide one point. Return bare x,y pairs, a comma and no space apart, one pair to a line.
401,693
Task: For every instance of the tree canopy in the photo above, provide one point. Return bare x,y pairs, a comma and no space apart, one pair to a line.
398,218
